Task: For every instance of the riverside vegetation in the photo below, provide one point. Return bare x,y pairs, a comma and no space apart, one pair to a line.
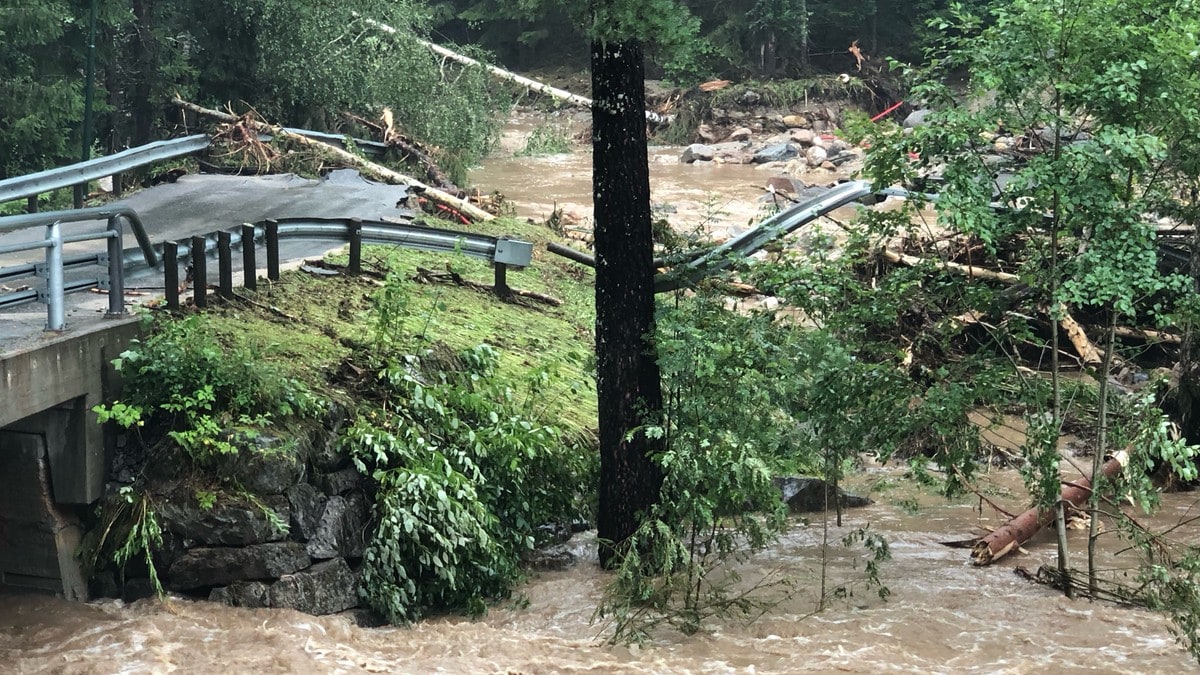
469,448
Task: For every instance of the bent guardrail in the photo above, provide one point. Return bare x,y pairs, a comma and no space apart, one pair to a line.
770,229
55,265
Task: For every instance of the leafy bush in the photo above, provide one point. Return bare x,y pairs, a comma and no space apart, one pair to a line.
466,474
200,384
546,139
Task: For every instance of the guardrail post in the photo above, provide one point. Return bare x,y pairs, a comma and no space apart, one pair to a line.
249,266
54,278
501,286
354,234
224,265
171,274
199,273
79,194
31,205
116,268
118,186
272,232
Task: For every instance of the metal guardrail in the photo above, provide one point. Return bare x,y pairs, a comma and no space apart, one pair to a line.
770,229
56,264
21,187
502,252
94,169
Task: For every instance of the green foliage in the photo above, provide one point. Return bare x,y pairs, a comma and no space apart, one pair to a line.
1103,91
201,386
128,530
546,139
466,472
717,504
43,97
747,399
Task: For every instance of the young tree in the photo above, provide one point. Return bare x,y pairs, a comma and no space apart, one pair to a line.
1101,97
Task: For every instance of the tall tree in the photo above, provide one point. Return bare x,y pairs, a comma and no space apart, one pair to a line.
629,386
628,382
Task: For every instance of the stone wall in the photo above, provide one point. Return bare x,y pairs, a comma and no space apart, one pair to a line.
286,527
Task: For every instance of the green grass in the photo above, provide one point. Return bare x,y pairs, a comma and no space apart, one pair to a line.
308,325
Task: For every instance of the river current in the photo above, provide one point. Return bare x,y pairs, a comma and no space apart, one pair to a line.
943,616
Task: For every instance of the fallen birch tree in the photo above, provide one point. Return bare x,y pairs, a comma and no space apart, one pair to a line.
1003,540
366,167
531,85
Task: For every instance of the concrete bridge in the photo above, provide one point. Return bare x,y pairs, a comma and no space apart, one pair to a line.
54,456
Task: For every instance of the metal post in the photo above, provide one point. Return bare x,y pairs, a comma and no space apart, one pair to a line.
54,278
501,286
116,268
199,273
354,234
224,265
272,231
171,273
118,185
249,266
31,204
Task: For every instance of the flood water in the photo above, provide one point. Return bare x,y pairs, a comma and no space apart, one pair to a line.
943,615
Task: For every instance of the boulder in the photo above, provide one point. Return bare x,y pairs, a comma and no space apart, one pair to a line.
843,157
815,156
230,522
265,464
777,152
552,559
915,118
307,504
696,152
706,133
202,567
340,482
785,185
324,588
732,153
242,594
340,532
804,494
802,136
795,121
740,134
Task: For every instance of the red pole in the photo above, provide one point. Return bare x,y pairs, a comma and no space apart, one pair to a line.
885,113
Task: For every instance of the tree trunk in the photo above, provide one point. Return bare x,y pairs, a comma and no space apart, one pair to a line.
628,383
143,55
1003,540
1189,358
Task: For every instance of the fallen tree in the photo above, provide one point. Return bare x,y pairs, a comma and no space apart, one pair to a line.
532,85
366,167
1003,540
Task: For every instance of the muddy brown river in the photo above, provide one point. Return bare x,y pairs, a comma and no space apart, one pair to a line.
943,616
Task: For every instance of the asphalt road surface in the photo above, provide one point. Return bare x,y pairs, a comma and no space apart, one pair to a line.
195,204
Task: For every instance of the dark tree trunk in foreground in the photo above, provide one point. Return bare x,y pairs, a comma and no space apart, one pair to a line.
628,384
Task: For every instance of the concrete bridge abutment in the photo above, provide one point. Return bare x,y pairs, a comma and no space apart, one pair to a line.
54,456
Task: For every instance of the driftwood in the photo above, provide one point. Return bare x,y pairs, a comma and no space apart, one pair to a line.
1003,540
408,147
532,85
368,168
1088,352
